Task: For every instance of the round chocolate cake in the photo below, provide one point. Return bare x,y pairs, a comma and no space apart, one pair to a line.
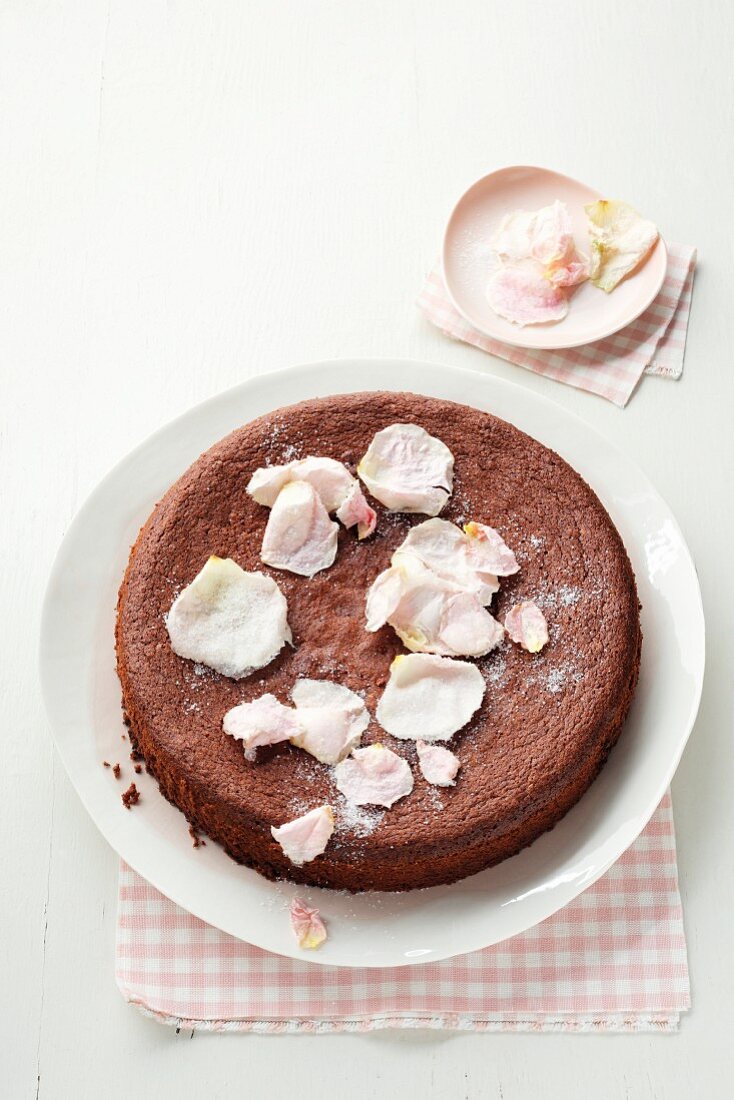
547,722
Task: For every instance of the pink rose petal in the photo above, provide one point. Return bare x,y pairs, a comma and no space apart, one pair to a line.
466,628
355,510
551,235
264,721
331,480
333,719
429,613
525,297
488,552
438,765
305,837
570,273
307,925
299,535
374,776
525,623
408,470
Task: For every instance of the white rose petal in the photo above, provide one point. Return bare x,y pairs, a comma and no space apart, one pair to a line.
408,470
305,837
331,480
429,613
264,721
373,776
299,535
338,491
429,698
332,718
620,240
473,558
438,765
229,620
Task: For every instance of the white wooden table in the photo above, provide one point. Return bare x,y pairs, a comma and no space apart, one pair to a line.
195,193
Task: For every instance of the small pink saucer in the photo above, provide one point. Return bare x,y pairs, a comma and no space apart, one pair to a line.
467,261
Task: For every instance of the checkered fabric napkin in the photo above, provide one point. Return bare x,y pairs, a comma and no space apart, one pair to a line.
612,960
653,344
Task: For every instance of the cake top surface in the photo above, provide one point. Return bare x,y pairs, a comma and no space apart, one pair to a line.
539,710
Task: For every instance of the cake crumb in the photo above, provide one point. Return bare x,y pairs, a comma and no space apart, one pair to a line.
131,796
194,834
137,768
117,771
106,764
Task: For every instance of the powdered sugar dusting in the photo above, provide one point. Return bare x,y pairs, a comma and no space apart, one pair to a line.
358,820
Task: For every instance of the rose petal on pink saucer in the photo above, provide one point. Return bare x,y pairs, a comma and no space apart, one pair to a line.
305,837
264,721
526,625
438,765
525,297
299,535
489,553
308,927
354,509
373,776
620,241
570,273
408,470
513,237
552,234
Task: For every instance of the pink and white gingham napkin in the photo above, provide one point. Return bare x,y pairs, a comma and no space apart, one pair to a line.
612,960
653,344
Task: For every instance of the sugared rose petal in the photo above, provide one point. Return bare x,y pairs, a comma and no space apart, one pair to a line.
408,470
355,510
332,719
429,697
307,925
438,765
264,721
488,552
473,558
229,620
373,776
331,480
570,274
525,623
524,296
429,613
620,240
337,490
539,258
299,535
305,837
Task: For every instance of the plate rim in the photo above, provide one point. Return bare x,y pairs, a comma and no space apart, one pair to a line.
301,371
519,342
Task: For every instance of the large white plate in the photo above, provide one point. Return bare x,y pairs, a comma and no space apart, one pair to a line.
82,694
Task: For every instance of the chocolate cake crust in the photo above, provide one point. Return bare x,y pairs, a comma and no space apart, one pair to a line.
548,720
